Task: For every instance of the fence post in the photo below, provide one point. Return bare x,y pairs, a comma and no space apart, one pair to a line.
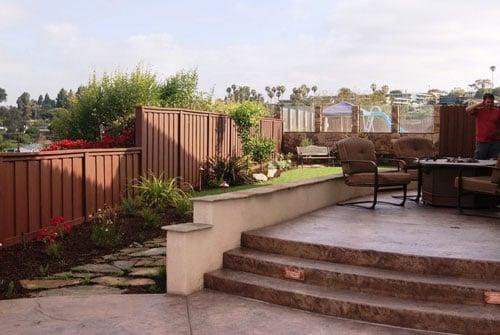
85,181
395,119
317,119
355,120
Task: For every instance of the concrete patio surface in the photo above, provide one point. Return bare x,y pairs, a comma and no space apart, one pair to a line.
415,229
205,312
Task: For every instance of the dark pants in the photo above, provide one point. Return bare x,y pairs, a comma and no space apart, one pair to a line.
487,150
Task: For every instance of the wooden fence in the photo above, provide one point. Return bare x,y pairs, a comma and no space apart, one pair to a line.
176,142
457,132
76,183
72,183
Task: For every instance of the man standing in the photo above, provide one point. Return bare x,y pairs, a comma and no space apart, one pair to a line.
487,127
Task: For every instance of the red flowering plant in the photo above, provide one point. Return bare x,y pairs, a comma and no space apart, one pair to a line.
124,139
51,234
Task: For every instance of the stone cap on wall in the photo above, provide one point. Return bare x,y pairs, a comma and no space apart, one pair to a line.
253,192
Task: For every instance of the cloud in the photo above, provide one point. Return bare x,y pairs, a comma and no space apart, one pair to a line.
11,14
408,45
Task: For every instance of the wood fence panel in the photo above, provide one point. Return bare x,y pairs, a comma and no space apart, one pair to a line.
35,187
457,132
176,142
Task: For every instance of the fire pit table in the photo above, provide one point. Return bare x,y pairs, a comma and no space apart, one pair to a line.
438,181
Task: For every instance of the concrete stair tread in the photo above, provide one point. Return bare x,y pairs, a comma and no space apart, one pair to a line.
491,313
488,270
384,274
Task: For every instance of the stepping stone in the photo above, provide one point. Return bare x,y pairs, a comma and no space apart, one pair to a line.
131,250
123,281
112,257
99,268
68,275
151,252
124,265
44,284
145,272
150,262
79,291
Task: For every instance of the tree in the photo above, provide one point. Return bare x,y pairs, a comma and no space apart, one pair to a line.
108,101
345,94
243,93
385,89
13,119
270,92
3,95
23,102
48,102
40,100
373,86
496,91
300,95
62,99
458,91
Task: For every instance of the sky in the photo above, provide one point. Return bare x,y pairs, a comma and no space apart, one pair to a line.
410,45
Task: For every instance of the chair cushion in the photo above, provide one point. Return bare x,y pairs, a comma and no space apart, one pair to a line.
355,148
414,147
413,174
495,176
480,184
384,179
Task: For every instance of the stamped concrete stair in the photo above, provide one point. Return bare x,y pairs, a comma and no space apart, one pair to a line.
406,290
454,318
442,289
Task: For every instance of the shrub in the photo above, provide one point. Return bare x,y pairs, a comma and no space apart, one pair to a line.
259,149
108,102
52,234
105,232
232,170
282,162
306,142
157,193
184,208
246,116
151,218
131,206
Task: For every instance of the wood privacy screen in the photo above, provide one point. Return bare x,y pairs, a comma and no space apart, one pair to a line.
457,132
72,183
176,142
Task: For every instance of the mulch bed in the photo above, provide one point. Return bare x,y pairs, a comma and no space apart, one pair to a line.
23,261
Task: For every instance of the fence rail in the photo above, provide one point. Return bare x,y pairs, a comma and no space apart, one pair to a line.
176,142
73,183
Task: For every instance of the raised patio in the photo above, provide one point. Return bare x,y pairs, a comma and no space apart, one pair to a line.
418,267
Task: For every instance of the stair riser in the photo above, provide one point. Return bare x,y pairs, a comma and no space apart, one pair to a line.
364,312
360,283
378,259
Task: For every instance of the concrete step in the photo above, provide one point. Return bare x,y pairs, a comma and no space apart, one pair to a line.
412,263
452,318
362,279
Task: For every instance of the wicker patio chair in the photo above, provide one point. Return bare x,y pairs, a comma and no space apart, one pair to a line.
412,150
360,169
489,185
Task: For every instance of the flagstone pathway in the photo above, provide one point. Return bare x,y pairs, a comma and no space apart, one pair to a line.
140,266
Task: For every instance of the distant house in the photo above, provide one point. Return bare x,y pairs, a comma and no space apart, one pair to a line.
451,99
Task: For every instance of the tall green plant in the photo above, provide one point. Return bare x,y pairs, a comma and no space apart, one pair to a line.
108,102
158,193
247,116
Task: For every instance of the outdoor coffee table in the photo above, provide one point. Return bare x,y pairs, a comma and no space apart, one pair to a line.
438,181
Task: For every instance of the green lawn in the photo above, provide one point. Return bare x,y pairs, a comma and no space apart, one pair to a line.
287,176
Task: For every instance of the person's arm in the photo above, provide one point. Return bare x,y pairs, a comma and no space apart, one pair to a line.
472,109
